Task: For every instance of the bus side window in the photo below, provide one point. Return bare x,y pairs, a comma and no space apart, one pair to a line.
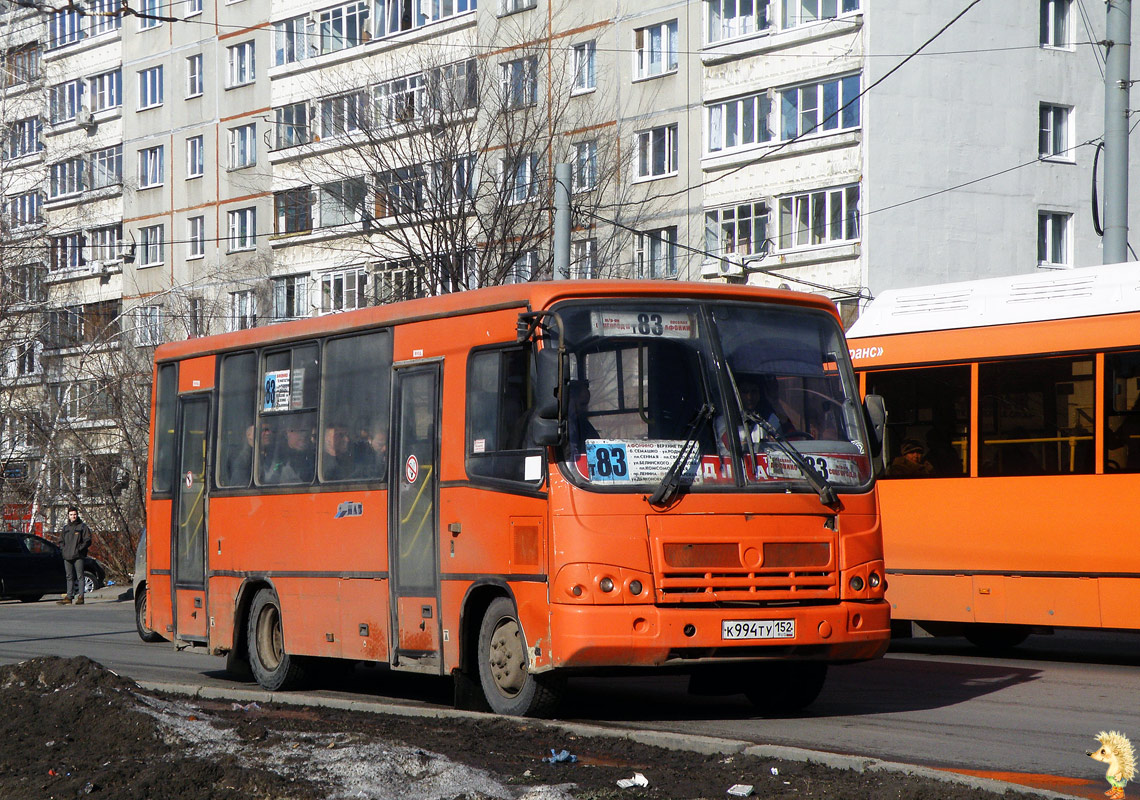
1122,412
928,414
166,408
237,433
355,394
288,416
499,405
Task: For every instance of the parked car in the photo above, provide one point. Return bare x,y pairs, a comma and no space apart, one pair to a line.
145,633
31,566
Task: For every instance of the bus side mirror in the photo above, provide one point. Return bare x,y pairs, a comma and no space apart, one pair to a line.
876,411
547,427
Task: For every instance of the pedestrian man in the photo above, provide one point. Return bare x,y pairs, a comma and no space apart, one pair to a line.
75,540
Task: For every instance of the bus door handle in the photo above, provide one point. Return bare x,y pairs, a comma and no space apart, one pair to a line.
425,612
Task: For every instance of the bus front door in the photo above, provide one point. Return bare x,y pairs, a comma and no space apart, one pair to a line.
414,519
188,531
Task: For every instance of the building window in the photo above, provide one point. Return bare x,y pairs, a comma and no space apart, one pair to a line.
655,49
243,146
584,259
106,91
64,28
585,78
27,359
107,167
342,114
447,8
106,243
243,310
400,191
1053,239
293,210
196,237
65,101
289,297
149,12
23,138
193,7
344,290
241,68
243,229
1053,137
740,122
655,253
342,27
523,268
148,326
151,170
657,152
740,230
23,209
195,159
520,82
152,245
194,76
66,178
150,87
1055,23
66,252
393,16
731,19
819,218
454,87
20,65
401,100
290,40
584,167
398,280
103,16
511,6
804,12
520,178
292,125
819,107
342,202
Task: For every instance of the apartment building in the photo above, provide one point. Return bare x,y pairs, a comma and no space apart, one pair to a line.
187,167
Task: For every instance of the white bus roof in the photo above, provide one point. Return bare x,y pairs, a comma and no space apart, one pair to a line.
1062,294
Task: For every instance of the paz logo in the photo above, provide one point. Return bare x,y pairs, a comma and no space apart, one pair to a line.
349,509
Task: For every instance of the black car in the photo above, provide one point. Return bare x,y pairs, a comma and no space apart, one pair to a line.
31,566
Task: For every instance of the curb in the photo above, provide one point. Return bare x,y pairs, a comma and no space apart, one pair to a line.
704,745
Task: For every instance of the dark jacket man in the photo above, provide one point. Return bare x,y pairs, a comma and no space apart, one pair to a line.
74,540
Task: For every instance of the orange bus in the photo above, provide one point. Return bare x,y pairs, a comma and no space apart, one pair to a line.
514,484
1013,448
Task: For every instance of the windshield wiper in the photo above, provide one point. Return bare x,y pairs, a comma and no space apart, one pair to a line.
672,481
822,487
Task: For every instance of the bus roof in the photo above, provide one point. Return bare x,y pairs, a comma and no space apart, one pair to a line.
535,295
1063,294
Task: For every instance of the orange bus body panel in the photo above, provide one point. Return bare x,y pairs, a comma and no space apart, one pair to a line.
196,374
1043,550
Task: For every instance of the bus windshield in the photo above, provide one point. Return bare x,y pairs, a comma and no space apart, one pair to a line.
717,393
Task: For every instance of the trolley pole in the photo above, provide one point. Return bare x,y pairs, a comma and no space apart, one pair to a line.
1118,36
561,222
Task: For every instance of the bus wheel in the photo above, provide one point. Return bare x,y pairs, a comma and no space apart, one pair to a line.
994,638
145,633
509,688
784,687
272,667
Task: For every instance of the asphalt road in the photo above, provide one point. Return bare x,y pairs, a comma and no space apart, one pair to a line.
929,702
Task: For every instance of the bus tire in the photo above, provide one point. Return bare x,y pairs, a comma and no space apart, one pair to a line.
272,667
508,686
995,638
784,687
145,633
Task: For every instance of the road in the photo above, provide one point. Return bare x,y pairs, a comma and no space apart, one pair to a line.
930,702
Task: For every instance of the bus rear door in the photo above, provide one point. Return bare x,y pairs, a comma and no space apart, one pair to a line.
188,531
414,519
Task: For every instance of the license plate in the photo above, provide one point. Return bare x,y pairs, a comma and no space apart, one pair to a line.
758,629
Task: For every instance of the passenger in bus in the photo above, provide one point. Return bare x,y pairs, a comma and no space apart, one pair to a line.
580,427
911,462
759,399
267,449
372,459
336,464
1126,437
295,462
240,461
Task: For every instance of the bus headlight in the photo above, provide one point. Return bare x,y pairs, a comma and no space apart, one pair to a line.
603,584
856,583
873,580
606,584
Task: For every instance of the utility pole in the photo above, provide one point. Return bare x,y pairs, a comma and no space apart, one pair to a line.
561,222
1118,41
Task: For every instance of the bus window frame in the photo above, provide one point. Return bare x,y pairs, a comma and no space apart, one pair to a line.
264,353
165,494
322,421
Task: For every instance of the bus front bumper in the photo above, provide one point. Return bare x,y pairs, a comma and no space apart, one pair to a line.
634,635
